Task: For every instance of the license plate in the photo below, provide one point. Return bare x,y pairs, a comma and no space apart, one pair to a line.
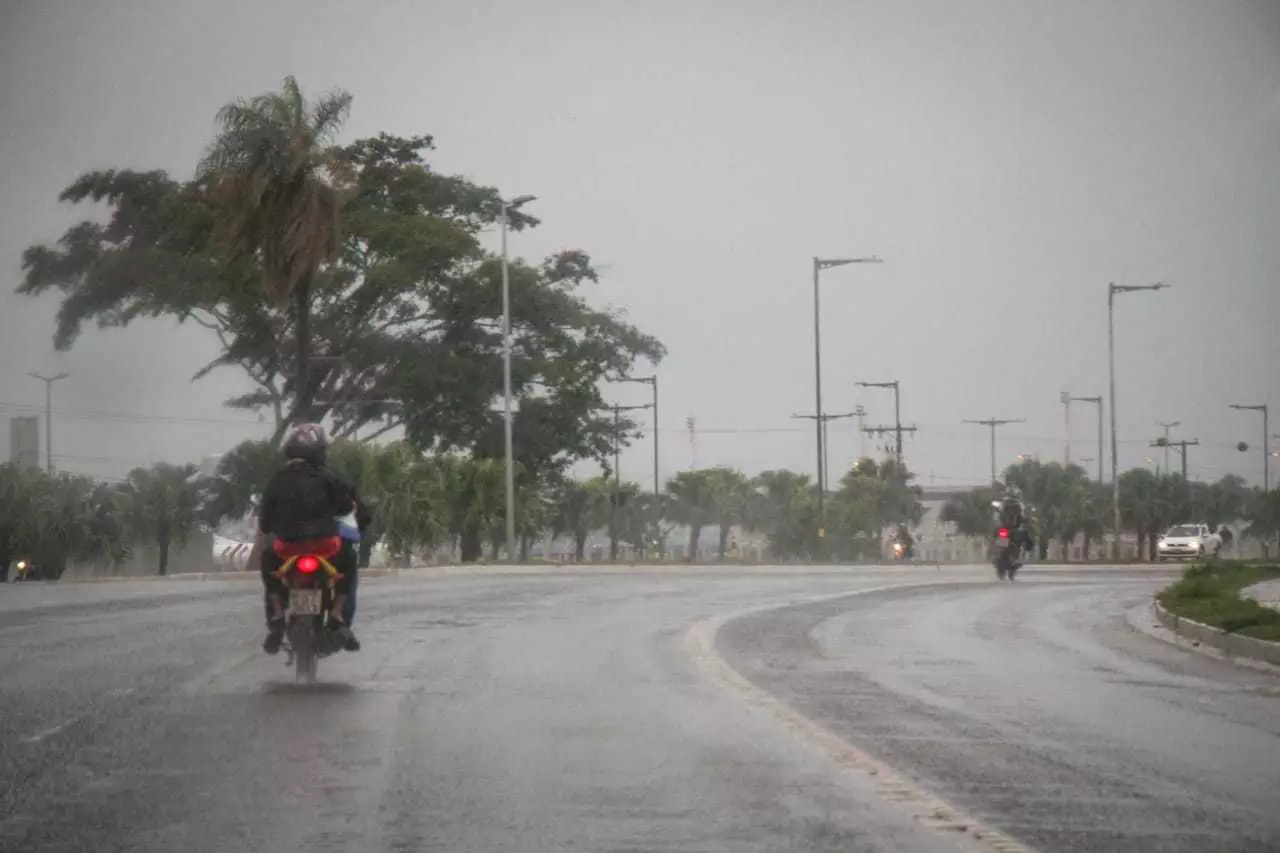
304,602
1002,543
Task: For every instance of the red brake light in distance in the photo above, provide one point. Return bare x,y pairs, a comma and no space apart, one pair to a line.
307,565
1004,533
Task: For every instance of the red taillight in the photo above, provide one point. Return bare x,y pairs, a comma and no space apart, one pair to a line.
1003,533
307,565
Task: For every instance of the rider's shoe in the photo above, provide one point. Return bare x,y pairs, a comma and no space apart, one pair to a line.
343,632
275,636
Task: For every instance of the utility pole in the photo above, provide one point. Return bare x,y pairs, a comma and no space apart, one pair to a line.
1097,401
993,423
861,414
1066,422
691,423
823,421
1182,448
1167,427
652,380
897,429
617,478
48,415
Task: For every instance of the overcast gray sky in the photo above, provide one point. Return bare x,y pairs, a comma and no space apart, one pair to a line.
1006,159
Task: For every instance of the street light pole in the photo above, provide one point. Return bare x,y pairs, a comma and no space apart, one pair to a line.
820,264
1266,441
48,415
507,442
993,423
1112,290
1098,402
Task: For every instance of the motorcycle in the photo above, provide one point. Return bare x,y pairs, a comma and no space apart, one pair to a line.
310,579
1005,554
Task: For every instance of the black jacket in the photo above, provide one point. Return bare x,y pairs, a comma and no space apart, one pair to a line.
303,501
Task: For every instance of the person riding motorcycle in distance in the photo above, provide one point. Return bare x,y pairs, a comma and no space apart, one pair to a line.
1012,517
304,502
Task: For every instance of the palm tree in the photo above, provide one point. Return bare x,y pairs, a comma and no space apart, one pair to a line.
578,508
696,498
162,504
475,498
282,187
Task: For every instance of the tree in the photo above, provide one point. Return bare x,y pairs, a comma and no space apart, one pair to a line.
1263,516
872,496
971,511
405,321
162,505
237,483
579,507
785,508
278,180
695,497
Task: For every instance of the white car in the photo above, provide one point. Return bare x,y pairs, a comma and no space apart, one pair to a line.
1188,542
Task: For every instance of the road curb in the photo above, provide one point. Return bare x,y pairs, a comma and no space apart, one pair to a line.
1231,645
892,786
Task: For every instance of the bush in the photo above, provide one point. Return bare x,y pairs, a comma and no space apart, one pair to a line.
1210,594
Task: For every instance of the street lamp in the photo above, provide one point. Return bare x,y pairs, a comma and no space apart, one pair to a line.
651,380
48,415
820,264
1112,290
507,207
1266,438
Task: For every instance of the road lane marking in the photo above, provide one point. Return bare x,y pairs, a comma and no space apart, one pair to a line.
924,807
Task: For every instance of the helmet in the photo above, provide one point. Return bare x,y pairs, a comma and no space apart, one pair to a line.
308,443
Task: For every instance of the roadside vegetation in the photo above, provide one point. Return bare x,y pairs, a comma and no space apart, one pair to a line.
348,284
1210,593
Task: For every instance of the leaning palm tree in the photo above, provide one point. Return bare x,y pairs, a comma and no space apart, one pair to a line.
275,174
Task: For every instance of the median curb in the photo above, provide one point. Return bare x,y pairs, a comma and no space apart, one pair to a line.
1232,645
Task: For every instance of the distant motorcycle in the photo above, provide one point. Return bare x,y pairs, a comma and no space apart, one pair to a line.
310,578
23,571
902,551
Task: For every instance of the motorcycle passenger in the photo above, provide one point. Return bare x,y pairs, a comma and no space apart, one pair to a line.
351,528
303,503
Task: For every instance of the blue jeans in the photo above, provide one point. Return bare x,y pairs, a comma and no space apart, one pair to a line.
349,565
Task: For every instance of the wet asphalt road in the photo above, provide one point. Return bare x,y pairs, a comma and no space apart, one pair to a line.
564,712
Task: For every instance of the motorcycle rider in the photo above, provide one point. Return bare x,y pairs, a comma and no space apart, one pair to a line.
902,536
1011,516
303,502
